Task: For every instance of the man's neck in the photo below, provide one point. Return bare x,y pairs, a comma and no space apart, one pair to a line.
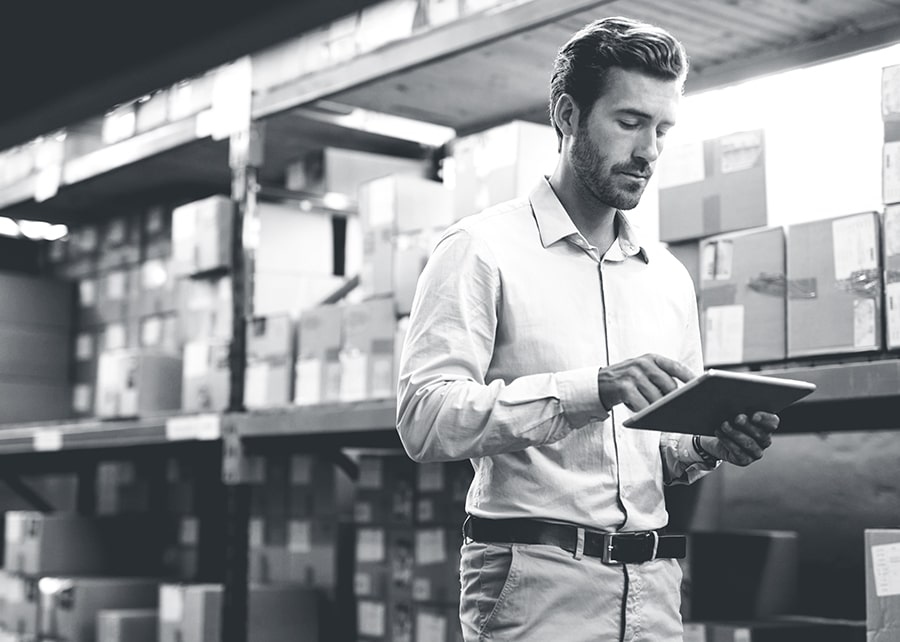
595,220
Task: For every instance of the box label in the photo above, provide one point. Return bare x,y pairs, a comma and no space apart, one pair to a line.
890,90
82,395
890,177
430,546
84,346
200,427
430,627
171,604
362,512
855,250
886,569
151,331
741,151
724,260
864,323
256,532
87,292
681,165
421,589
708,261
370,545
362,584
15,527
47,439
371,619
724,325
189,531
425,510
300,536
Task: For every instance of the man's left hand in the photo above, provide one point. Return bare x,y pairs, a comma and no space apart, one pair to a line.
742,440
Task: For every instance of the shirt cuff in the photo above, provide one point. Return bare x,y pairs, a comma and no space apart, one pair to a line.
580,396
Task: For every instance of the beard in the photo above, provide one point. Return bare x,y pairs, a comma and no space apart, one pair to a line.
603,180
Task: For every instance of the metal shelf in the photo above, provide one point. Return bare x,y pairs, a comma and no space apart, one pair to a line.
92,434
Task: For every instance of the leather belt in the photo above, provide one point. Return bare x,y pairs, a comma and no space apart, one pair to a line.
612,548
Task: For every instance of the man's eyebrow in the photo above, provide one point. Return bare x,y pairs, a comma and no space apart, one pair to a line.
631,111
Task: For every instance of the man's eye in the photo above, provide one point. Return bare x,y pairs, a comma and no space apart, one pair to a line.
627,124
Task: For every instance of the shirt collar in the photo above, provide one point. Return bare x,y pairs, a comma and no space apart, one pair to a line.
554,224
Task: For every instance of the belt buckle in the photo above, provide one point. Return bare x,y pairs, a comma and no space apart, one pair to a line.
609,545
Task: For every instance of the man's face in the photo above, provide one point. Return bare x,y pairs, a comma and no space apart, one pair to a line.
615,148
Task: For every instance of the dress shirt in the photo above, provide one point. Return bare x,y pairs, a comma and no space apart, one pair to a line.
513,315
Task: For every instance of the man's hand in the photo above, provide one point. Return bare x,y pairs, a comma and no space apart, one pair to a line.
743,440
639,382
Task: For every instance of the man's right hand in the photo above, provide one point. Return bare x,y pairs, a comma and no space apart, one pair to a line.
640,381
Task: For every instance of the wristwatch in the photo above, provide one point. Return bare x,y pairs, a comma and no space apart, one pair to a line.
708,458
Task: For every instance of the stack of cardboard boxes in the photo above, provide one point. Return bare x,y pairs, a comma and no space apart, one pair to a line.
766,294
300,531
35,335
409,533
60,570
890,111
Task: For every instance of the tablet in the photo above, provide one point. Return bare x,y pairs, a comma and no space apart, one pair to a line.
702,404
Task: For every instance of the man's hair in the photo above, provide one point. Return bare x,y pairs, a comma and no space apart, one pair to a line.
582,64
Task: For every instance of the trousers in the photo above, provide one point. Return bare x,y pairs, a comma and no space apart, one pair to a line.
542,593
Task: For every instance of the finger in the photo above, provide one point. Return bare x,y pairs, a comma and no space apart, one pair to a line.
736,433
673,368
766,421
733,452
760,433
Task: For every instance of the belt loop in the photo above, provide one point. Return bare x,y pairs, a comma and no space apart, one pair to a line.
579,544
655,544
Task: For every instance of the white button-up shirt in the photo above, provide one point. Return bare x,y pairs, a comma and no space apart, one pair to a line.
513,315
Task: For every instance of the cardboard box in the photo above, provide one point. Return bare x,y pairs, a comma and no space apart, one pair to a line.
205,309
269,383
206,378
152,111
344,170
891,255
201,236
500,164
318,488
294,241
19,598
191,96
436,624
441,490
742,297
41,352
436,568
133,383
318,367
882,587
155,288
382,620
159,332
69,606
193,612
834,272
738,575
36,301
112,295
270,337
890,172
120,243
405,203
712,187
385,491
384,563
38,544
119,124
127,625
890,92
367,353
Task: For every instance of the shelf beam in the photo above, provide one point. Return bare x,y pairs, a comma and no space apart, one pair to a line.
419,50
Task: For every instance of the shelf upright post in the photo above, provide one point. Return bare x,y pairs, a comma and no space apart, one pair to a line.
245,156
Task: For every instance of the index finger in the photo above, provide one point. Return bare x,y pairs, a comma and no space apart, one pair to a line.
673,368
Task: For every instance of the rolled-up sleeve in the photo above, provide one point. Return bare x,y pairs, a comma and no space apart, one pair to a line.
446,409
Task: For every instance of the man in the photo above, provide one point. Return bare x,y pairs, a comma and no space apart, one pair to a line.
539,325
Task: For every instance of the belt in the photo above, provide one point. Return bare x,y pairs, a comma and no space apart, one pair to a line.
612,548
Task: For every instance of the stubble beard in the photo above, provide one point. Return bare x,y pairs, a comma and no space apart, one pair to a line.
597,176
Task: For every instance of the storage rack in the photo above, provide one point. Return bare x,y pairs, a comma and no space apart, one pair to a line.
430,76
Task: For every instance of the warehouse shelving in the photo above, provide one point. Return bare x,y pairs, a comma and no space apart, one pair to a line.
474,72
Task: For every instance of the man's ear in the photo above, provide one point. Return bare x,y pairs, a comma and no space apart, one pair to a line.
566,114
